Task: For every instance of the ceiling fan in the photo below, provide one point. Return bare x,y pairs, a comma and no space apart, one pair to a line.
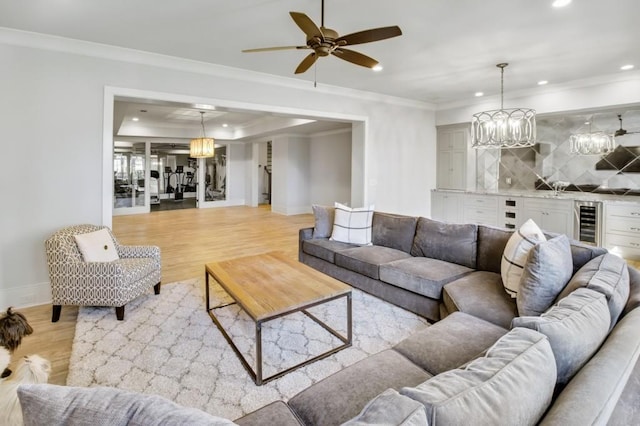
621,131
325,41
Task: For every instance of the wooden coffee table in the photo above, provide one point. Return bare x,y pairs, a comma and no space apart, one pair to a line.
269,286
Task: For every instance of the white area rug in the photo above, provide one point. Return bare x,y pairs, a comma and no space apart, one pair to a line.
168,345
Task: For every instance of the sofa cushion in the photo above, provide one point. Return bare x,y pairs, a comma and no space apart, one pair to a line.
512,384
342,395
366,260
390,409
276,413
422,275
324,249
393,231
450,242
491,244
482,295
352,225
575,327
582,253
50,405
547,271
449,343
607,274
515,255
323,220
633,301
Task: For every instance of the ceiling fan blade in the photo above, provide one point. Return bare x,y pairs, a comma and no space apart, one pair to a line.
367,36
355,57
306,63
269,49
306,25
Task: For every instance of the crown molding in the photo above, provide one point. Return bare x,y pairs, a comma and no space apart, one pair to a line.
34,40
621,76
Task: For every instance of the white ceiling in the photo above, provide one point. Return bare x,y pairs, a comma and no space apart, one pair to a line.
447,52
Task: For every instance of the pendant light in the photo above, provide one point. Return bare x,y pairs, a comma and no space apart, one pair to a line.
591,142
504,128
202,147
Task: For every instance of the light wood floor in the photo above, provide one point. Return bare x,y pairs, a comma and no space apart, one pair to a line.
187,239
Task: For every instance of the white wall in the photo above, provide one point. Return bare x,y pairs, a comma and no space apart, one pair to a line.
52,111
291,175
330,168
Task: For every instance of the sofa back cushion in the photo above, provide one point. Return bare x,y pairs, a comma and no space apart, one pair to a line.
495,388
607,274
575,327
450,242
390,409
546,272
393,231
491,244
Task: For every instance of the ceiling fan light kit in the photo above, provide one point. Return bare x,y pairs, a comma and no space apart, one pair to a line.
504,128
202,147
325,41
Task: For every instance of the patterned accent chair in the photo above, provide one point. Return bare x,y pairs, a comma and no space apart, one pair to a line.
76,282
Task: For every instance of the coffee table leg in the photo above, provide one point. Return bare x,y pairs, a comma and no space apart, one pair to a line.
349,320
258,353
206,276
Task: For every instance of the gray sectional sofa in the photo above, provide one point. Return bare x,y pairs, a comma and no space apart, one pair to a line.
486,359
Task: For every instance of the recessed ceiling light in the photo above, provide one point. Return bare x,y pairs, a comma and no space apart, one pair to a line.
542,82
626,67
204,106
225,125
478,94
377,68
560,3
135,119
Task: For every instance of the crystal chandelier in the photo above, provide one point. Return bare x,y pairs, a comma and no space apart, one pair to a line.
591,143
504,128
202,147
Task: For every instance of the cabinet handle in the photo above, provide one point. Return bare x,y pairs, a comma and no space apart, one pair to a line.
635,213
635,244
633,228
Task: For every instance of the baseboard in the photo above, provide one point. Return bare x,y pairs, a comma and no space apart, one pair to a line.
26,295
291,210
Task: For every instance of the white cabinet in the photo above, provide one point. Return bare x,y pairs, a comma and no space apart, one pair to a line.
551,215
622,229
446,206
479,208
451,160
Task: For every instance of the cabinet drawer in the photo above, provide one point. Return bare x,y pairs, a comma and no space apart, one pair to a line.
623,225
623,240
624,210
543,204
480,215
481,202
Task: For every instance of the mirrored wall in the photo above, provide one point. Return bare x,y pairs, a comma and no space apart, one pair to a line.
551,160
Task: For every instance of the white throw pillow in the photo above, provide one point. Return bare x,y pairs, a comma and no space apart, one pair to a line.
515,255
97,246
352,225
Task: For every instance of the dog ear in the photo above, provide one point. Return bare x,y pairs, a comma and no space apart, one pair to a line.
13,327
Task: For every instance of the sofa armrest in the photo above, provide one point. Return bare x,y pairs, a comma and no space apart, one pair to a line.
139,251
303,234
102,274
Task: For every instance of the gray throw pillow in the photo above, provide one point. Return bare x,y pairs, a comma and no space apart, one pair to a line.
546,273
51,405
323,217
512,383
575,327
607,274
389,409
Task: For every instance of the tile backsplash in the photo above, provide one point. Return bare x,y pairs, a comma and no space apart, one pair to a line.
550,159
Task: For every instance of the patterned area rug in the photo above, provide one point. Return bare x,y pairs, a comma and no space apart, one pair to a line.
167,345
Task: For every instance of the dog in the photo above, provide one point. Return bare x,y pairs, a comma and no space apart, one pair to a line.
31,369
13,327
